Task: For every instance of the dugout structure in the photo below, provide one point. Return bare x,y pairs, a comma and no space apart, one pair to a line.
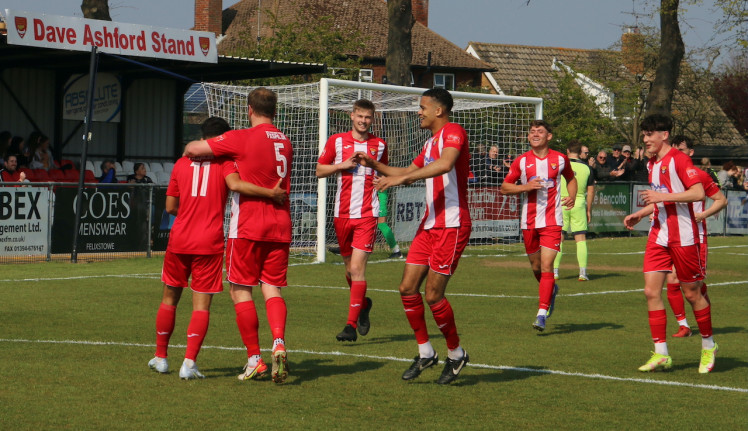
309,113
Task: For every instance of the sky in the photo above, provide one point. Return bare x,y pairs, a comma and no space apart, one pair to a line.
583,24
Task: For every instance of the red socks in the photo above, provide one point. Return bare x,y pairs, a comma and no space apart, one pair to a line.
675,298
414,311
196,333
658,325
358,292
704,320
276,310
164,327
445,320
246,320
545,290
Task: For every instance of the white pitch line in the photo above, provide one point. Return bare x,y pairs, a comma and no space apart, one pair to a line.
394,358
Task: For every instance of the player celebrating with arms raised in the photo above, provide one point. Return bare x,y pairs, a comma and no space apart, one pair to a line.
356,208
260,229
539,172
443,233
673,240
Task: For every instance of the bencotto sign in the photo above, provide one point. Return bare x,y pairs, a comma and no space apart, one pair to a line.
80,34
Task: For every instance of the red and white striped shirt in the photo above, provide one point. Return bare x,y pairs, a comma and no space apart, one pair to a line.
674,223
446,195
541,208
356,196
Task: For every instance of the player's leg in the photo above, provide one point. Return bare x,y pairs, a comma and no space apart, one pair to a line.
387,233
274,258
687,261
566,228
581,241
206,281
410,295
657,264
175,276
549,239
677,304
578,228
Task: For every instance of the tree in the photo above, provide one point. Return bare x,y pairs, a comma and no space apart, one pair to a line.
96,9
660,97
731,92
399,48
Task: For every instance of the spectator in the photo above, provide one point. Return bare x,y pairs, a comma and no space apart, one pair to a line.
477,158
602,171
10,173
628,167
615,159
139,175
493,172
108,174
706,163
728,176
41,159
584,153
641,175
18,147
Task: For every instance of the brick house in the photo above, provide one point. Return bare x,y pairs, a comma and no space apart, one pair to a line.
436,61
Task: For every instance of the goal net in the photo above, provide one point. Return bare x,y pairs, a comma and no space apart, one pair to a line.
309,113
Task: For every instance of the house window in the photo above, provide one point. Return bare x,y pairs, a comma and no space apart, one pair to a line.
366,75
444,80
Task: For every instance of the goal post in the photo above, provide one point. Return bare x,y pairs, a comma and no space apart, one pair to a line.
309,113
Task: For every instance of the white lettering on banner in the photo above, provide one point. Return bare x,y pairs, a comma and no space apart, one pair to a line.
80,34
24,215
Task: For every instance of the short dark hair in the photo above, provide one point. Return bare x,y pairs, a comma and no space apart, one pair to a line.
364,104
263,101
136,166
574,146
657,123
442,97
214,126
541,123
677,139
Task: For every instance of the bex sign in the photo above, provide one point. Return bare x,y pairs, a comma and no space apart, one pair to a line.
80,34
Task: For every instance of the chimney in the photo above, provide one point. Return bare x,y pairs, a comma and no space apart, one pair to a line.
421,11
208,16
632,50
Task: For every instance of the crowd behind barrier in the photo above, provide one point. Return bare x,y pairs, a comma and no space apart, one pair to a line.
128,220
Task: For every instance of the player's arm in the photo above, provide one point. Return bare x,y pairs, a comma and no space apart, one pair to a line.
236,184
692,194
198,149
571,187
508,188
633,219
720,202
382,168
172,205
324,170
589,199
413,173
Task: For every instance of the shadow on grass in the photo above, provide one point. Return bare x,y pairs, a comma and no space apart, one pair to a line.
722,364
568,328
381,340
592,277
726,330
307,370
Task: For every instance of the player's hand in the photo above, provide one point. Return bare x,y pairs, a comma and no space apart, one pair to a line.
652,196
631,220
699,217
568,202
349,163
363,159
278,194
384,183
534,184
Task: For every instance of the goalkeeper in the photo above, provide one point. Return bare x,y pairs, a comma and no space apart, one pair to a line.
387,233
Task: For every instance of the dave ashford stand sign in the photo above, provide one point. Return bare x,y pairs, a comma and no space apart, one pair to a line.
80,34
113,219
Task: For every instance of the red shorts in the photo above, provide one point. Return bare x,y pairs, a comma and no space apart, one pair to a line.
358,233
204,268
249,262
548,237
439,248
686,260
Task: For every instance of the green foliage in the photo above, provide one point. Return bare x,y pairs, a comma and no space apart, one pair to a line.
582,369
300,42
574,115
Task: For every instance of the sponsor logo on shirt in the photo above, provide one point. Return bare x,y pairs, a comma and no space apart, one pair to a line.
427,160
453,139
346,147
531,165
692,173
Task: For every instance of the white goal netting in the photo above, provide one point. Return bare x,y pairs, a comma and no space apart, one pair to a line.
490,120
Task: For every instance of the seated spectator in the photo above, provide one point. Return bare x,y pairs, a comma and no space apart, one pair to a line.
42,158
108,173
139,176
10,172
728,176
494,171
18,147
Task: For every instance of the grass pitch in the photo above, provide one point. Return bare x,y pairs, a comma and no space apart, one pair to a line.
76,340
